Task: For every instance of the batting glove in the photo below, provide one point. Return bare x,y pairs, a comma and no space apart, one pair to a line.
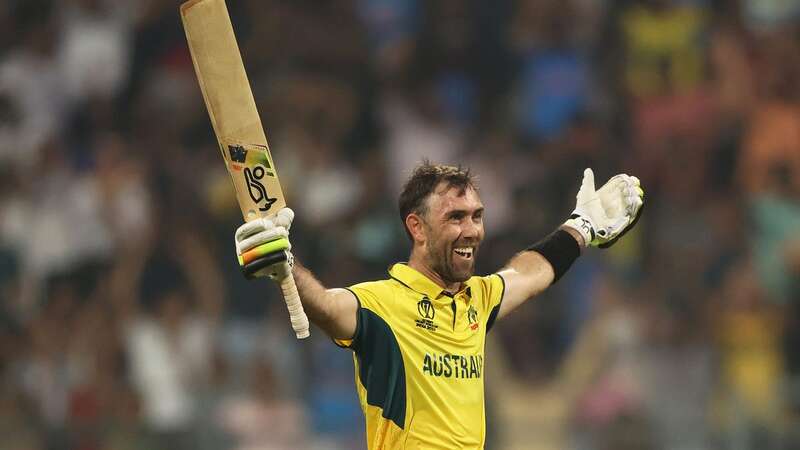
603,216
263,247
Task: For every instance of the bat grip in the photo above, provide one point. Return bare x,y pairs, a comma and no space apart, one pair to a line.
296,314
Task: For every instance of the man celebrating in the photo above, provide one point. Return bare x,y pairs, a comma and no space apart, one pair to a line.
418,337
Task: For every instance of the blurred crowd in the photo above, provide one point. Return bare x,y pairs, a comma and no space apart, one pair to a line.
125,323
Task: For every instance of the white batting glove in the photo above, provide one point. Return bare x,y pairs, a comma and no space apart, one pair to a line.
603,216
621,194
263,247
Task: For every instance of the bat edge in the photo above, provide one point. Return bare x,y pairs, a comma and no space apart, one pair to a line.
188,4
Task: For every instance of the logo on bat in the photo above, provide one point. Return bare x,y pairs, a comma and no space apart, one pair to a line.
238,153
256,154
256,189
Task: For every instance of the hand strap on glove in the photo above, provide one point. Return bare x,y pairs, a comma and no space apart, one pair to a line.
250,269
263,250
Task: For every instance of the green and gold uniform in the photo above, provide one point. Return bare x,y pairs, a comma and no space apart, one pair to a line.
419,360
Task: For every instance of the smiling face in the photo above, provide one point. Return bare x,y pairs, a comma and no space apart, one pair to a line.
447,234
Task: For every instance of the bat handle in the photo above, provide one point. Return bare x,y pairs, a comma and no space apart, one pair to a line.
296,313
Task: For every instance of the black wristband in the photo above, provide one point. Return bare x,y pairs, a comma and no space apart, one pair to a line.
560,249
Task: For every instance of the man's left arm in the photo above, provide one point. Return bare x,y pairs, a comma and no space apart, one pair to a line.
600,218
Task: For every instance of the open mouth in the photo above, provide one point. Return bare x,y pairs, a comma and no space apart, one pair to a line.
464,252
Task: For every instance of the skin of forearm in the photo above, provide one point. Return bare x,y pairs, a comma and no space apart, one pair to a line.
321,305
530,272
313,294
527,274
535,268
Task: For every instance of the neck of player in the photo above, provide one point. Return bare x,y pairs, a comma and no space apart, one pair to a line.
417,263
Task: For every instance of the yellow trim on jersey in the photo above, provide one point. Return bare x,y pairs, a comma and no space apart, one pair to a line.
419,359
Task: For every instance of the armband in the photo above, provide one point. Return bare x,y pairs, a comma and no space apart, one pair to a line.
560,249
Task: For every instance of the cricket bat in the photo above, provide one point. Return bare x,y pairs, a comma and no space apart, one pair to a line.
237,125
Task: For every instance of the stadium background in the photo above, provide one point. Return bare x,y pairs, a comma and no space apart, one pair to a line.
125,322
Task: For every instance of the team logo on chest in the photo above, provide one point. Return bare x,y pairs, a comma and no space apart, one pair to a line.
472,316
427,313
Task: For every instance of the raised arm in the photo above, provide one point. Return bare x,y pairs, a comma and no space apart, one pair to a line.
600,218
528,273
263,249
333,310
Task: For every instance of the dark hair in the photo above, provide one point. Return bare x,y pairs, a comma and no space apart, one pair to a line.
423,182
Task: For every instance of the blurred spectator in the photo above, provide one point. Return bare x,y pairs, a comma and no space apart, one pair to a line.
748,329
34,101
416,128
555,76
776,217
664,69
444,62
772,141
325,183
499,170
170,345
663,45
601,380
264,419
95,47
733,73
377,230
18,422
392,26
767,15
770,163
678,370
121,178
45,372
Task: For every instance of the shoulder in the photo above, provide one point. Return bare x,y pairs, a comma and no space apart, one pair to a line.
485,284
488,289
376,287
372,293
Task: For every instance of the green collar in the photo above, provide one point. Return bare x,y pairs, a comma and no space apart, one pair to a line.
418,282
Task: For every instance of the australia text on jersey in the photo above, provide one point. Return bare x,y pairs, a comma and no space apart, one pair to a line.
452,366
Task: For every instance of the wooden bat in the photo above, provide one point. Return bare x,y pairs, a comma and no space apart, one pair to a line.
237,125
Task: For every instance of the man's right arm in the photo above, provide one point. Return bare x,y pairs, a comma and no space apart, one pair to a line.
333,310
263,250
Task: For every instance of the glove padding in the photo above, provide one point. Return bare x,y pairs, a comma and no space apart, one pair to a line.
603,216
263,247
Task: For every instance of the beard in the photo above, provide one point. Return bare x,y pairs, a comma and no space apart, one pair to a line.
441,261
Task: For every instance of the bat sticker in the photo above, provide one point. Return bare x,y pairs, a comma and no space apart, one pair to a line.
238,153
250,154
256,189
263,157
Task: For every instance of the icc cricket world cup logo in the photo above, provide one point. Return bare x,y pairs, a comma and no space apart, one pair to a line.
427,313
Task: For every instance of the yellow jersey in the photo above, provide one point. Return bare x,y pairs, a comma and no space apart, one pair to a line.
419,360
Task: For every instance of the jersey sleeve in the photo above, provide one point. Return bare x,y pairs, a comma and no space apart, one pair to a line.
371,302
492,289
